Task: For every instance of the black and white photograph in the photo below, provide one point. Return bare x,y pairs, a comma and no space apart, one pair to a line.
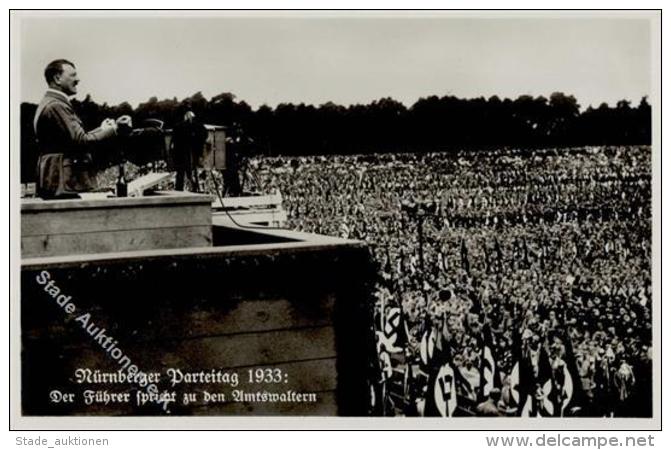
432,216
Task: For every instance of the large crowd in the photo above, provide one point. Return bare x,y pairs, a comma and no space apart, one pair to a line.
549,249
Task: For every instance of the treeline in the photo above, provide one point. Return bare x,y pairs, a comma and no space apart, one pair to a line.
386,125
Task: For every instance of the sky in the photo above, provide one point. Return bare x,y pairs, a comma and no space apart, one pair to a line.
346,60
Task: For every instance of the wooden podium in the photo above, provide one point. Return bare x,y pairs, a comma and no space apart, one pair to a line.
177,287
99,224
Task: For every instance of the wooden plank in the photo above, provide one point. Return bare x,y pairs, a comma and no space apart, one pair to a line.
94,220
292,242
115,241
95,195
247,316
249,202
252,212
158,198
256,216
229,351
148,181
180,320
242,349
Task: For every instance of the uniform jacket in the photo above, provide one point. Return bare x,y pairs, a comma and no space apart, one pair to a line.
65,165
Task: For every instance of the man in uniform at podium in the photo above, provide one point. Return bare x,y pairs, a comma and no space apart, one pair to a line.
65,166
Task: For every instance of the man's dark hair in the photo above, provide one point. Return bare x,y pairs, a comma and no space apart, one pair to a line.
55,68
